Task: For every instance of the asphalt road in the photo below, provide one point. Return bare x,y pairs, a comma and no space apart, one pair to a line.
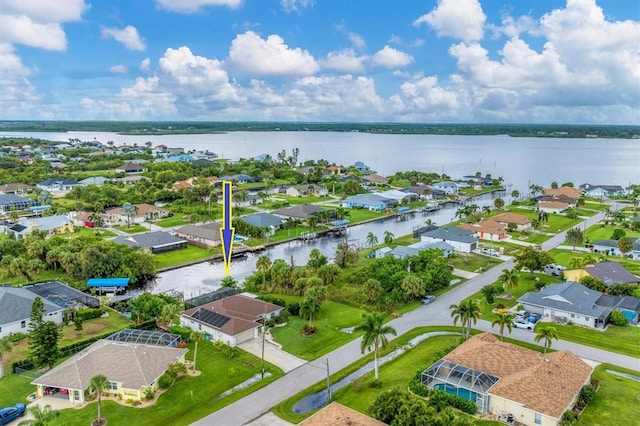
437,313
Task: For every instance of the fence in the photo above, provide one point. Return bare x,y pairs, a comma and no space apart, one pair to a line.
32,374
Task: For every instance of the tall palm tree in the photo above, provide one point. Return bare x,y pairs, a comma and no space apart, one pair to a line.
503,320
312,221
42,416
465,312
5,346
374,335
98,383
548,334
263,264
196,336
372,240
413,286
388,237
130,211
310,308
372,290
510,279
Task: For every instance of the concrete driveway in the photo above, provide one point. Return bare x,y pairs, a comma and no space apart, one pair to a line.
272,353
55,403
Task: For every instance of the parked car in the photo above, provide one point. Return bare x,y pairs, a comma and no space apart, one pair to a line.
428,299
520,323
553,269
534,318
7,415
490,252
522,315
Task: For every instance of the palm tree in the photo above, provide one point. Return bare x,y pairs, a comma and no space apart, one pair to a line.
310,308
465,312
576,263
372,240
388,237
373,290
196,336
486,210
548,334
42,416
312,221
374,335
130,211
263,264
510,279
503,320
413,286
5,346
98,383
167,315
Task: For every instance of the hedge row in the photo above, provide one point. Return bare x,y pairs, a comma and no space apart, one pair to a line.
89,313
458,402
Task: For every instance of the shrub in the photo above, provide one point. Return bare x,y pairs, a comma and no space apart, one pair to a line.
16,337
376,384
219,345
587,394
294,308
309,330
568,418
618,233
539,285
229,351
165,381
500,306
595,382
176,369
89,313
149,393
618,318
183,332
275,300
417,387
270,322
77,321
454,401
283,317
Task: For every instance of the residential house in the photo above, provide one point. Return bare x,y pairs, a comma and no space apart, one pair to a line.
599,191
554,207
264,220
374,179
50,225
373,202
423,192
16,189
130,368
239,178
361,167
130,180
568,191
401,252
336,414
15,310
305,170
172,150
9,202
449,188
568,302
521,222
336,170
85,219
57,184
399,196
486,229
305,190
130,168
95,180
232,320
608,272
185,158
206,235
188,183
504,378
610,247
301,211
144,212
462,240
153,242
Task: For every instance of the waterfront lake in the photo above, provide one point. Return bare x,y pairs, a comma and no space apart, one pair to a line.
520,161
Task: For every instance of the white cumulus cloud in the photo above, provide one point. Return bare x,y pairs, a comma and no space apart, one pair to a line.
119,69
388,57
128,36
345,61
461,19
194,6
145,64
253,55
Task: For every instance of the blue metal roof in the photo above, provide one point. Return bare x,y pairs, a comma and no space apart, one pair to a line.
108,282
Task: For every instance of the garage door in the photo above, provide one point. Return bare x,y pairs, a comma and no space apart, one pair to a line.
244,336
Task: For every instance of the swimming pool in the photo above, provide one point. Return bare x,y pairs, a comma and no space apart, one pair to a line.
461,392
629,315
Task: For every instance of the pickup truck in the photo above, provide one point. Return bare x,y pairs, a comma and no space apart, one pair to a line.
523,324
9,414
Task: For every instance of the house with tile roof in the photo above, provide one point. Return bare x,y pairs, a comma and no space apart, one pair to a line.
550,206
336,414
461,240
486,229
16,188
15,310
144,212
521,222
503,378
568,191
130,368
232,320
608,272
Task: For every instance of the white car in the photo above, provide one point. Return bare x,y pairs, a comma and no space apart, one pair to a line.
523,324
490,252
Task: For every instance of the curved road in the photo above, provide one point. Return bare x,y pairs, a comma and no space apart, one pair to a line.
437,313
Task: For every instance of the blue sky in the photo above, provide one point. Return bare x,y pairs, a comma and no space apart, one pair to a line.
519,61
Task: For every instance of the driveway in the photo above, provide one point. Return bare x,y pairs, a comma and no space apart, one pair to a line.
55,403
272,353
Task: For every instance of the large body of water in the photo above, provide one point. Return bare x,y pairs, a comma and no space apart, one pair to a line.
520,161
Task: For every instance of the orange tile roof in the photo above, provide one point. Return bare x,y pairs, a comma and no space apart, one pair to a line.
553,205
489,226
510,217
546,384
336,414
563,190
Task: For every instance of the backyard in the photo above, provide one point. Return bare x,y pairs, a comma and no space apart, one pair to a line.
189,254
563,257
176,220
134,229
472,262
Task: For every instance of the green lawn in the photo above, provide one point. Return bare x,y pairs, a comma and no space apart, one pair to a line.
177,257
14,389
190,398
360,215
622,340
172,221
282,234
102,233
598,232
529,237
48,275
334,316
596,206
616,402
554,224
563,257
510,249
134,229
473,262
303,200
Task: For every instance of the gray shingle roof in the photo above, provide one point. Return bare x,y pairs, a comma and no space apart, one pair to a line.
452,233
368,199
132,364
15,304
302,211
569,297
262,219
209,231
148,240
611,273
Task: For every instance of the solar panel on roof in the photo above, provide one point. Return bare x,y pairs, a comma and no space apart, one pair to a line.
213,318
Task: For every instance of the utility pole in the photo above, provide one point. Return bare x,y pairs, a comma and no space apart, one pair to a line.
264,333
328,382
